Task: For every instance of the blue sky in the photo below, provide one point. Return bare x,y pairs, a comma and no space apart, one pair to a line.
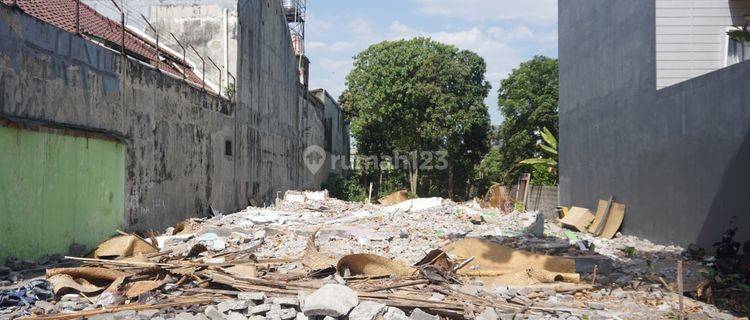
504,32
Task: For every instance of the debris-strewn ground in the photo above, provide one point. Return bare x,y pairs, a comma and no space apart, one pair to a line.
285,262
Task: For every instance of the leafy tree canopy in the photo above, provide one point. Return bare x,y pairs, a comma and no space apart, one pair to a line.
420,95
528,100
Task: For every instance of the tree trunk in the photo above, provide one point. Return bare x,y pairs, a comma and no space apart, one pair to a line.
414,175
450,180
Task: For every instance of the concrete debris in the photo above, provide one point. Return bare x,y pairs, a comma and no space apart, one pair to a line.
333,300
367,310
311,256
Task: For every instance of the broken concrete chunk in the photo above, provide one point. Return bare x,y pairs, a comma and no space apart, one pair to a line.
332,300
232,305
252,296
367,310
488,314
287,314
418,314
285,301
213,313
536,229
236,316
392,313
261,309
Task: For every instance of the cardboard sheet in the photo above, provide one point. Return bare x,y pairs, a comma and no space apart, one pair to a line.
578,219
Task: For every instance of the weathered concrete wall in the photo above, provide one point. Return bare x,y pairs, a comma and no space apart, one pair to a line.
337,143
202,26
674,156
276,118
177,164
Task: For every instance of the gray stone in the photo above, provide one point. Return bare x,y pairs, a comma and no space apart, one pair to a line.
522,300
214,313
301,316
252,296
261,309
595,305
184,316
288,314
127,314
106,316
536,229
232,305
488,314
418,314
148,314
200,316
285,301
332,300
392,313
507,316
618,293
367,310
235,316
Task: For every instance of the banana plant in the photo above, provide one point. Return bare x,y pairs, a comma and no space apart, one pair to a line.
549,146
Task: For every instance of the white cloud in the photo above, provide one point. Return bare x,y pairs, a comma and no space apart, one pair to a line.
542,11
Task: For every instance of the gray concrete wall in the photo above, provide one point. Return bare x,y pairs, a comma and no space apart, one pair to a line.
202,26
176,165
337,143
673,156
276,116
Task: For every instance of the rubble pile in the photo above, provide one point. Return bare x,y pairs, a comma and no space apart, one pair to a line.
312,257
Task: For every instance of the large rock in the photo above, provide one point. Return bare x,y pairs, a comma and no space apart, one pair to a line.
367,310
332,300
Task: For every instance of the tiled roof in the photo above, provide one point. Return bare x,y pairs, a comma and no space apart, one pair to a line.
95,26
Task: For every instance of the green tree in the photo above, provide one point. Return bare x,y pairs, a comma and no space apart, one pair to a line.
528,100
419,95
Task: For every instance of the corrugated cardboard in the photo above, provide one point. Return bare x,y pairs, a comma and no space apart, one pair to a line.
578,219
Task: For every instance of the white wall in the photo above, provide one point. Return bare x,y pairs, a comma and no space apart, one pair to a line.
691,36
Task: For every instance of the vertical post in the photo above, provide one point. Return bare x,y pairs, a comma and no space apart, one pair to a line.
680,289
203,72
122,21
226,44
158,59
184,55
78,17
220,71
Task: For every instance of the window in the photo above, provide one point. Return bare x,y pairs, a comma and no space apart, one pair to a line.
228,148
737,51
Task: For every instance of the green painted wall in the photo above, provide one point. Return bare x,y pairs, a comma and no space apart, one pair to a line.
56,190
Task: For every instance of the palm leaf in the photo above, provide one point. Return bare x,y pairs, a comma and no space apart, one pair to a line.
549,138
548,149
535,161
